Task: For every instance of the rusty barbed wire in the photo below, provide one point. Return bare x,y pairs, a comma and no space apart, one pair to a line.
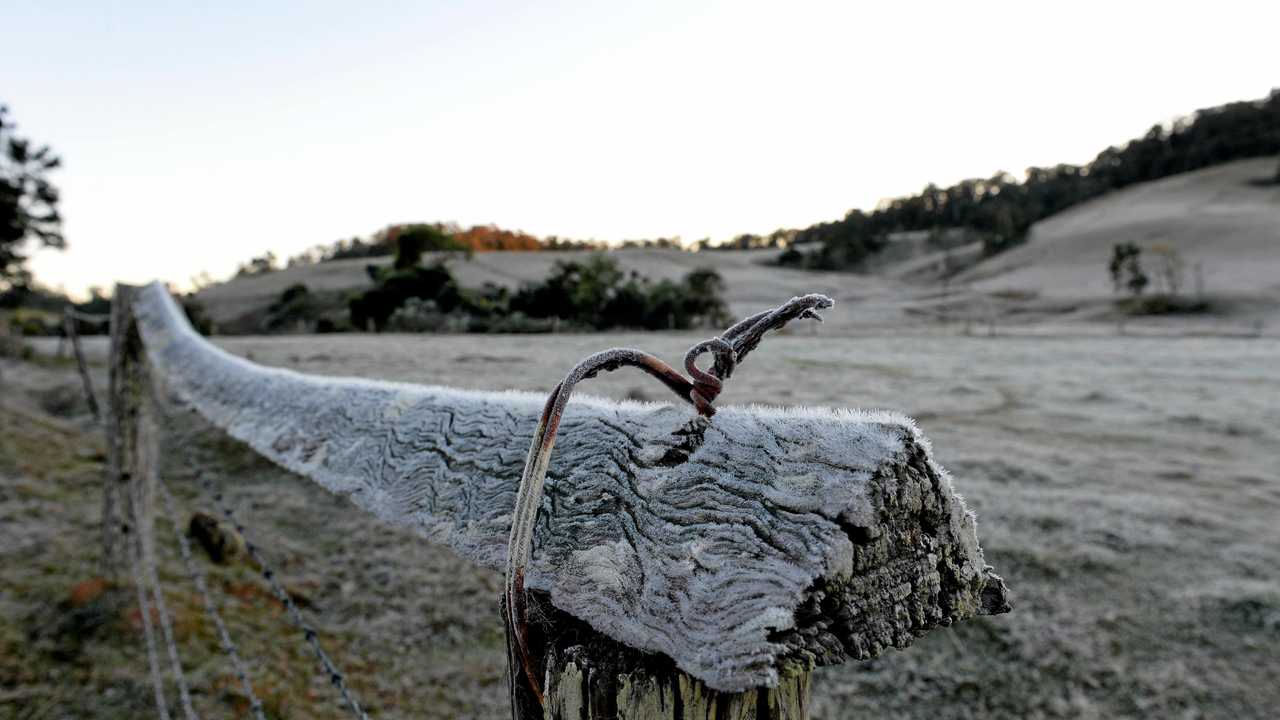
166,628
133,549
336,677
211,609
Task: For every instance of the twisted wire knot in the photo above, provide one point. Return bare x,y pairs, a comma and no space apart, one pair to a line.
707,385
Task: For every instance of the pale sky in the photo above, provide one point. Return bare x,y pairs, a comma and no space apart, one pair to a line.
195,138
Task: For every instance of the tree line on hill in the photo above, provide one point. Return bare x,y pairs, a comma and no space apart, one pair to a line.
998,210
1001,209
593,293
442,237
486,238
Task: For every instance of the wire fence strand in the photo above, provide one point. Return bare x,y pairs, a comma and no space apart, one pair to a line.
133,549
309,633
211,609
336,678
91,318
152,578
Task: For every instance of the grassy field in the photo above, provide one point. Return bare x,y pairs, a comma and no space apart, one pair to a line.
1125,487
414,628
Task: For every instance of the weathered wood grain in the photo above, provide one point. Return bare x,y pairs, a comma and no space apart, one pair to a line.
588,676
122,405
732,545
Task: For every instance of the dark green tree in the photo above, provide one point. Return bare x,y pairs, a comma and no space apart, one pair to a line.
432,282
261,265
411,241
28,203
597,293
1126,269
704,297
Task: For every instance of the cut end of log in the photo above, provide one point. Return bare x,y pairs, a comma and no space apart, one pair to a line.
914,566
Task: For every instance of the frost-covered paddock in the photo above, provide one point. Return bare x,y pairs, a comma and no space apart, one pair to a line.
1128,485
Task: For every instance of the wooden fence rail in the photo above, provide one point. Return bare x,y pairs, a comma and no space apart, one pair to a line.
688,567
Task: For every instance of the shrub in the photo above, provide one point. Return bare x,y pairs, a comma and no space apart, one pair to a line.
196,315
377,305
596,293
417,315
1170,269
295,305
261,265
411,241
592,294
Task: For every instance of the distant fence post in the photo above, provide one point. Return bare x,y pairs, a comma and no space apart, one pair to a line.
71,332
4,340
132,447
589,675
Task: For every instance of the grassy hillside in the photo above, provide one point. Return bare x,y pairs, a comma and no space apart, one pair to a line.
751,284
1001,209
1216,217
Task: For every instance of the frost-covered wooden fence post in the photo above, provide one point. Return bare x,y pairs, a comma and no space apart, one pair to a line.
125,393
562,669
677,564
589,675
4,341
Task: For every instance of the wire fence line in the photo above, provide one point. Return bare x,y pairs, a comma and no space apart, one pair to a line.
142,501
336,677
139,399
142,564
211,608
91,318
166,630
71,331
133,549
151,417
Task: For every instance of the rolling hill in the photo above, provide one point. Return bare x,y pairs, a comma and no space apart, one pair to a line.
751,283
1218,218
1221,220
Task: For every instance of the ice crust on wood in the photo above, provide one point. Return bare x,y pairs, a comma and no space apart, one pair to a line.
729,545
